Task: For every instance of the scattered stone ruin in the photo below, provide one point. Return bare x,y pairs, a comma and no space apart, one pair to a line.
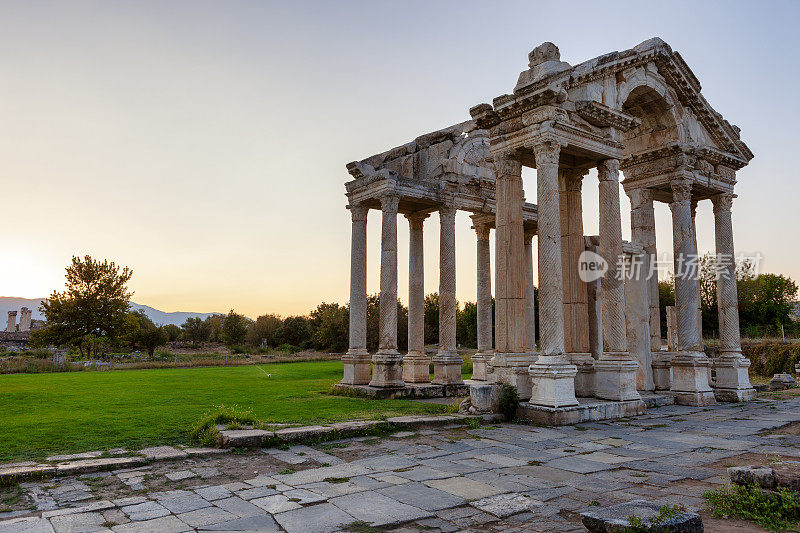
24,322
639,111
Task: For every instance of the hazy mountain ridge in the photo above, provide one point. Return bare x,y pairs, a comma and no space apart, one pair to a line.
10,303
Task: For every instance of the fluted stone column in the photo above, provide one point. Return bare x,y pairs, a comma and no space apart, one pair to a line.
637,307
552,376
356,360
576,305
510,362
387,363
698,289
447,362
690,365
615,371
484,302
733,381
416,364
530,296
643,232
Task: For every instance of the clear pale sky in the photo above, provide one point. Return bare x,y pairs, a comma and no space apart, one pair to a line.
204,144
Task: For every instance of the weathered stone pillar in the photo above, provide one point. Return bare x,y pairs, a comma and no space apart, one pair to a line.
698,288
416,364
637,307
690,365
552,376
510,361
447,362
25,319
11,325
530,296
615,371
643,231
356,360
484,301
387,363
576,307
733,381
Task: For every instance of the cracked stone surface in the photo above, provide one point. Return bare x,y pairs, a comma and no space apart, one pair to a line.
496,478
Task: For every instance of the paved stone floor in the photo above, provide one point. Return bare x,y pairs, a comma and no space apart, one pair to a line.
496,478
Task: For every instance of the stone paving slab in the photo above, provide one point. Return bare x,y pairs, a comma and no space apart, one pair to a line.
377,509
323,518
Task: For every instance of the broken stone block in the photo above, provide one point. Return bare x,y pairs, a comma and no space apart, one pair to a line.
782,382
763,476
616,518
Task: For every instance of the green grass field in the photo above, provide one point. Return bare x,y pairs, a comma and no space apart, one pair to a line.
42,414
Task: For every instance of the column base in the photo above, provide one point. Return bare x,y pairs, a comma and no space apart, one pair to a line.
585,378
662,369
387,370
690,379
733,379
512,369
553,380
447,369
479,362
356,367
416,368
615,377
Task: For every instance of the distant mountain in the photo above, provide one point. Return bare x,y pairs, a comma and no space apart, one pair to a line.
9,303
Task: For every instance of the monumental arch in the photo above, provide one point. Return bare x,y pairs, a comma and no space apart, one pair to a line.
639,112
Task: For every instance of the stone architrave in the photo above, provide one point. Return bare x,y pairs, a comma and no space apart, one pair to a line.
357,360
416,365
387,363
447,362
733,382
690,365
510,362
552,375
484,300
615,371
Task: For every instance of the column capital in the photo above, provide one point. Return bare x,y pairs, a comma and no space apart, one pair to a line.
528,237
483,230
358,212
390,203
416,220
723,202
547,152
572,178
642,197
681,190
506,165
608,170
447,213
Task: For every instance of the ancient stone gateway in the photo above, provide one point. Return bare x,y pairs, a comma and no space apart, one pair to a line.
639,111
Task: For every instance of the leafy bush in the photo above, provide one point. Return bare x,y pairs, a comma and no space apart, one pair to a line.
774,510
768,358
509,402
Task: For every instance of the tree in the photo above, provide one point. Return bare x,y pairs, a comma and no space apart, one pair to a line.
264,331
467,325
173,332
94,305
766,300
330,324
196,330
214,324
432,318
147,334
294,331
234,329
666,297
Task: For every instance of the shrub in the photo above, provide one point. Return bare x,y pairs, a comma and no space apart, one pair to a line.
774,510
509,402
768,358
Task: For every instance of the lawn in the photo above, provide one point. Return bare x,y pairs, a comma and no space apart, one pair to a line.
42,414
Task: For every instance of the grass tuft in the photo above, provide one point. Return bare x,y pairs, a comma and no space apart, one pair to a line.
777,510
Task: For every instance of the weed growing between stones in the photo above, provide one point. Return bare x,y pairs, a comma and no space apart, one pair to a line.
205,431
776,510
509,402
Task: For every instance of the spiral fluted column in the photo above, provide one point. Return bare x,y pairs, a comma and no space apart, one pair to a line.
447,362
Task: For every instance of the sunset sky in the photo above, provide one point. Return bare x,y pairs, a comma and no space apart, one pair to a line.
204,144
